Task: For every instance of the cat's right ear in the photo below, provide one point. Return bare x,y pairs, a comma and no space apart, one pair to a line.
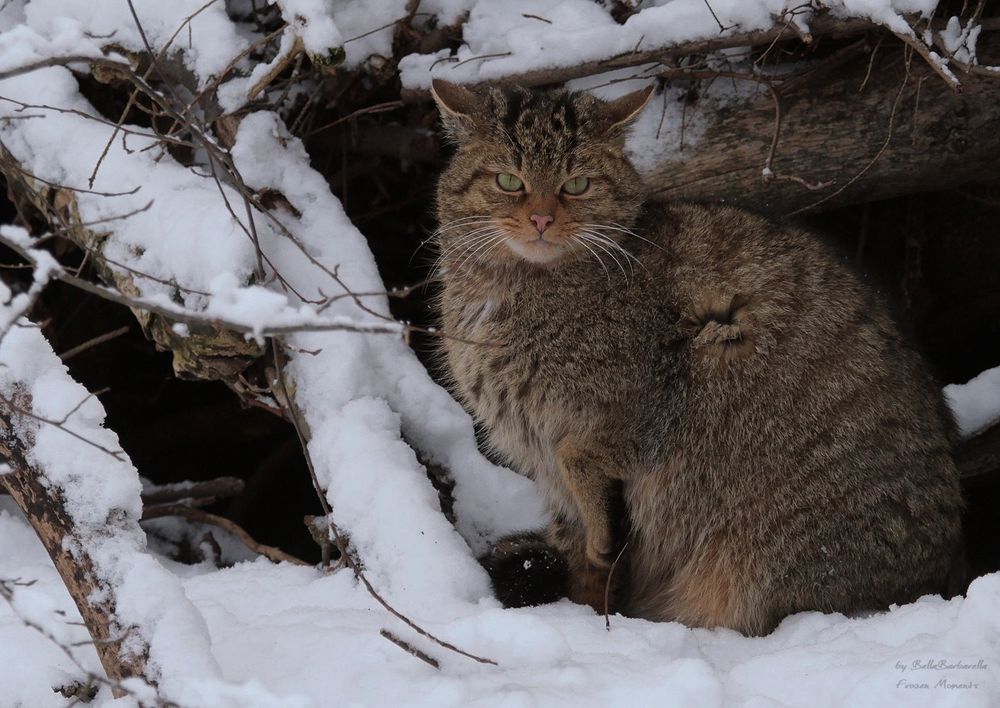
623,111
457,105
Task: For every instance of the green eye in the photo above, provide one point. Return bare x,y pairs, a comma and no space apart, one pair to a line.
577,185
509,183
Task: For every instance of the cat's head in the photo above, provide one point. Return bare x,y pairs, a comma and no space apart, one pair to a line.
537,177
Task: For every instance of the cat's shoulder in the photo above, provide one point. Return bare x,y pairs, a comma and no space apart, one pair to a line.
720,236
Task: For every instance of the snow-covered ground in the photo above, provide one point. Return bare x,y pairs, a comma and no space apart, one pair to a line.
259,634
313,640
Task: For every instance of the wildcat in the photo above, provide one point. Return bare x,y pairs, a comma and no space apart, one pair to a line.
771,442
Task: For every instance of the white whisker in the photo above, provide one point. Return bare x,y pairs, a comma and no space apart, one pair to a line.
576,238
464,238
614,226
461,222
587,236
464,245
490,250
611,243
489,242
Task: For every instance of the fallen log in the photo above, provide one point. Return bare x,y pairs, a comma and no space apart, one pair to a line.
906,132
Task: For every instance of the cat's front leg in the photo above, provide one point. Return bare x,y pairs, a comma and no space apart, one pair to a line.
601,587
592,476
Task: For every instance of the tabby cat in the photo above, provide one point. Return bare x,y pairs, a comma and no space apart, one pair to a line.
713,397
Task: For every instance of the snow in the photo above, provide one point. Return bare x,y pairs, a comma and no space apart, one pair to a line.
263,634
977,402
311,20
960,41
306,637
13,306
82,461
213,36
501,39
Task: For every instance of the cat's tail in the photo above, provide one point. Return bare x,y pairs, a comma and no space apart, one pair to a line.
526,570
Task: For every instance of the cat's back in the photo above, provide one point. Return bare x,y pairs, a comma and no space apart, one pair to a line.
770,303
789,353
801,396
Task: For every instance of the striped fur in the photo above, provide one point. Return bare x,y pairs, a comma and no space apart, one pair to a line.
747,400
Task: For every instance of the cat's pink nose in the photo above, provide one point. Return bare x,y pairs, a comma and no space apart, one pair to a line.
542,221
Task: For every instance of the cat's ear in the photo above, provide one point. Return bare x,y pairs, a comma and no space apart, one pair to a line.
622,111
456,103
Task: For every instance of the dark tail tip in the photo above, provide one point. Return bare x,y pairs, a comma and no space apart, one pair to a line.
526,571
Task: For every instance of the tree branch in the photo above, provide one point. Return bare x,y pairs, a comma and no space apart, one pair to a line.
45,508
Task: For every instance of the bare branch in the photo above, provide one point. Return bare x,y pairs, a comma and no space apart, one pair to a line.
201,516
49,62
410,649
93,342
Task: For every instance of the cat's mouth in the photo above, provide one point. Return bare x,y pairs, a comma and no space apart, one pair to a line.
537,250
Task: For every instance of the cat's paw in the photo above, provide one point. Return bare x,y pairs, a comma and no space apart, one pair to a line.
718,333
600,548
526,570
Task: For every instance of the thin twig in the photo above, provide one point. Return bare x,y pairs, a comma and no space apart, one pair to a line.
13,165
377,108
135,92
482,56
7,593
179,314
607,588
931,58
722,27
386,26
49,62
410,649
91,343
871,63
97,119
13,406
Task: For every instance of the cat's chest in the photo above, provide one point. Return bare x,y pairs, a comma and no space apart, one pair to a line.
492,352
501,363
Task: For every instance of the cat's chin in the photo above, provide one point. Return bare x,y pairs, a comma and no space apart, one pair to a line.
538,251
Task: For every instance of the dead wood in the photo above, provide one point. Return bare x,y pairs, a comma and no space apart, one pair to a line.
44,507
822,25
978,458
203,352
214,489
864,124
906,132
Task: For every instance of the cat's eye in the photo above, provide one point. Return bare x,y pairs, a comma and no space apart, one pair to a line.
509,183
576,186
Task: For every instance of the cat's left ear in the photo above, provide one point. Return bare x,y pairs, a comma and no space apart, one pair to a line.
622,111
456,103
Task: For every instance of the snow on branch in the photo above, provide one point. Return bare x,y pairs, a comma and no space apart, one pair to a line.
207,253
81,494
552,48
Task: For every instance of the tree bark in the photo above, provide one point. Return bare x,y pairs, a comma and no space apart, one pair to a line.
44,507
978,458
906,132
